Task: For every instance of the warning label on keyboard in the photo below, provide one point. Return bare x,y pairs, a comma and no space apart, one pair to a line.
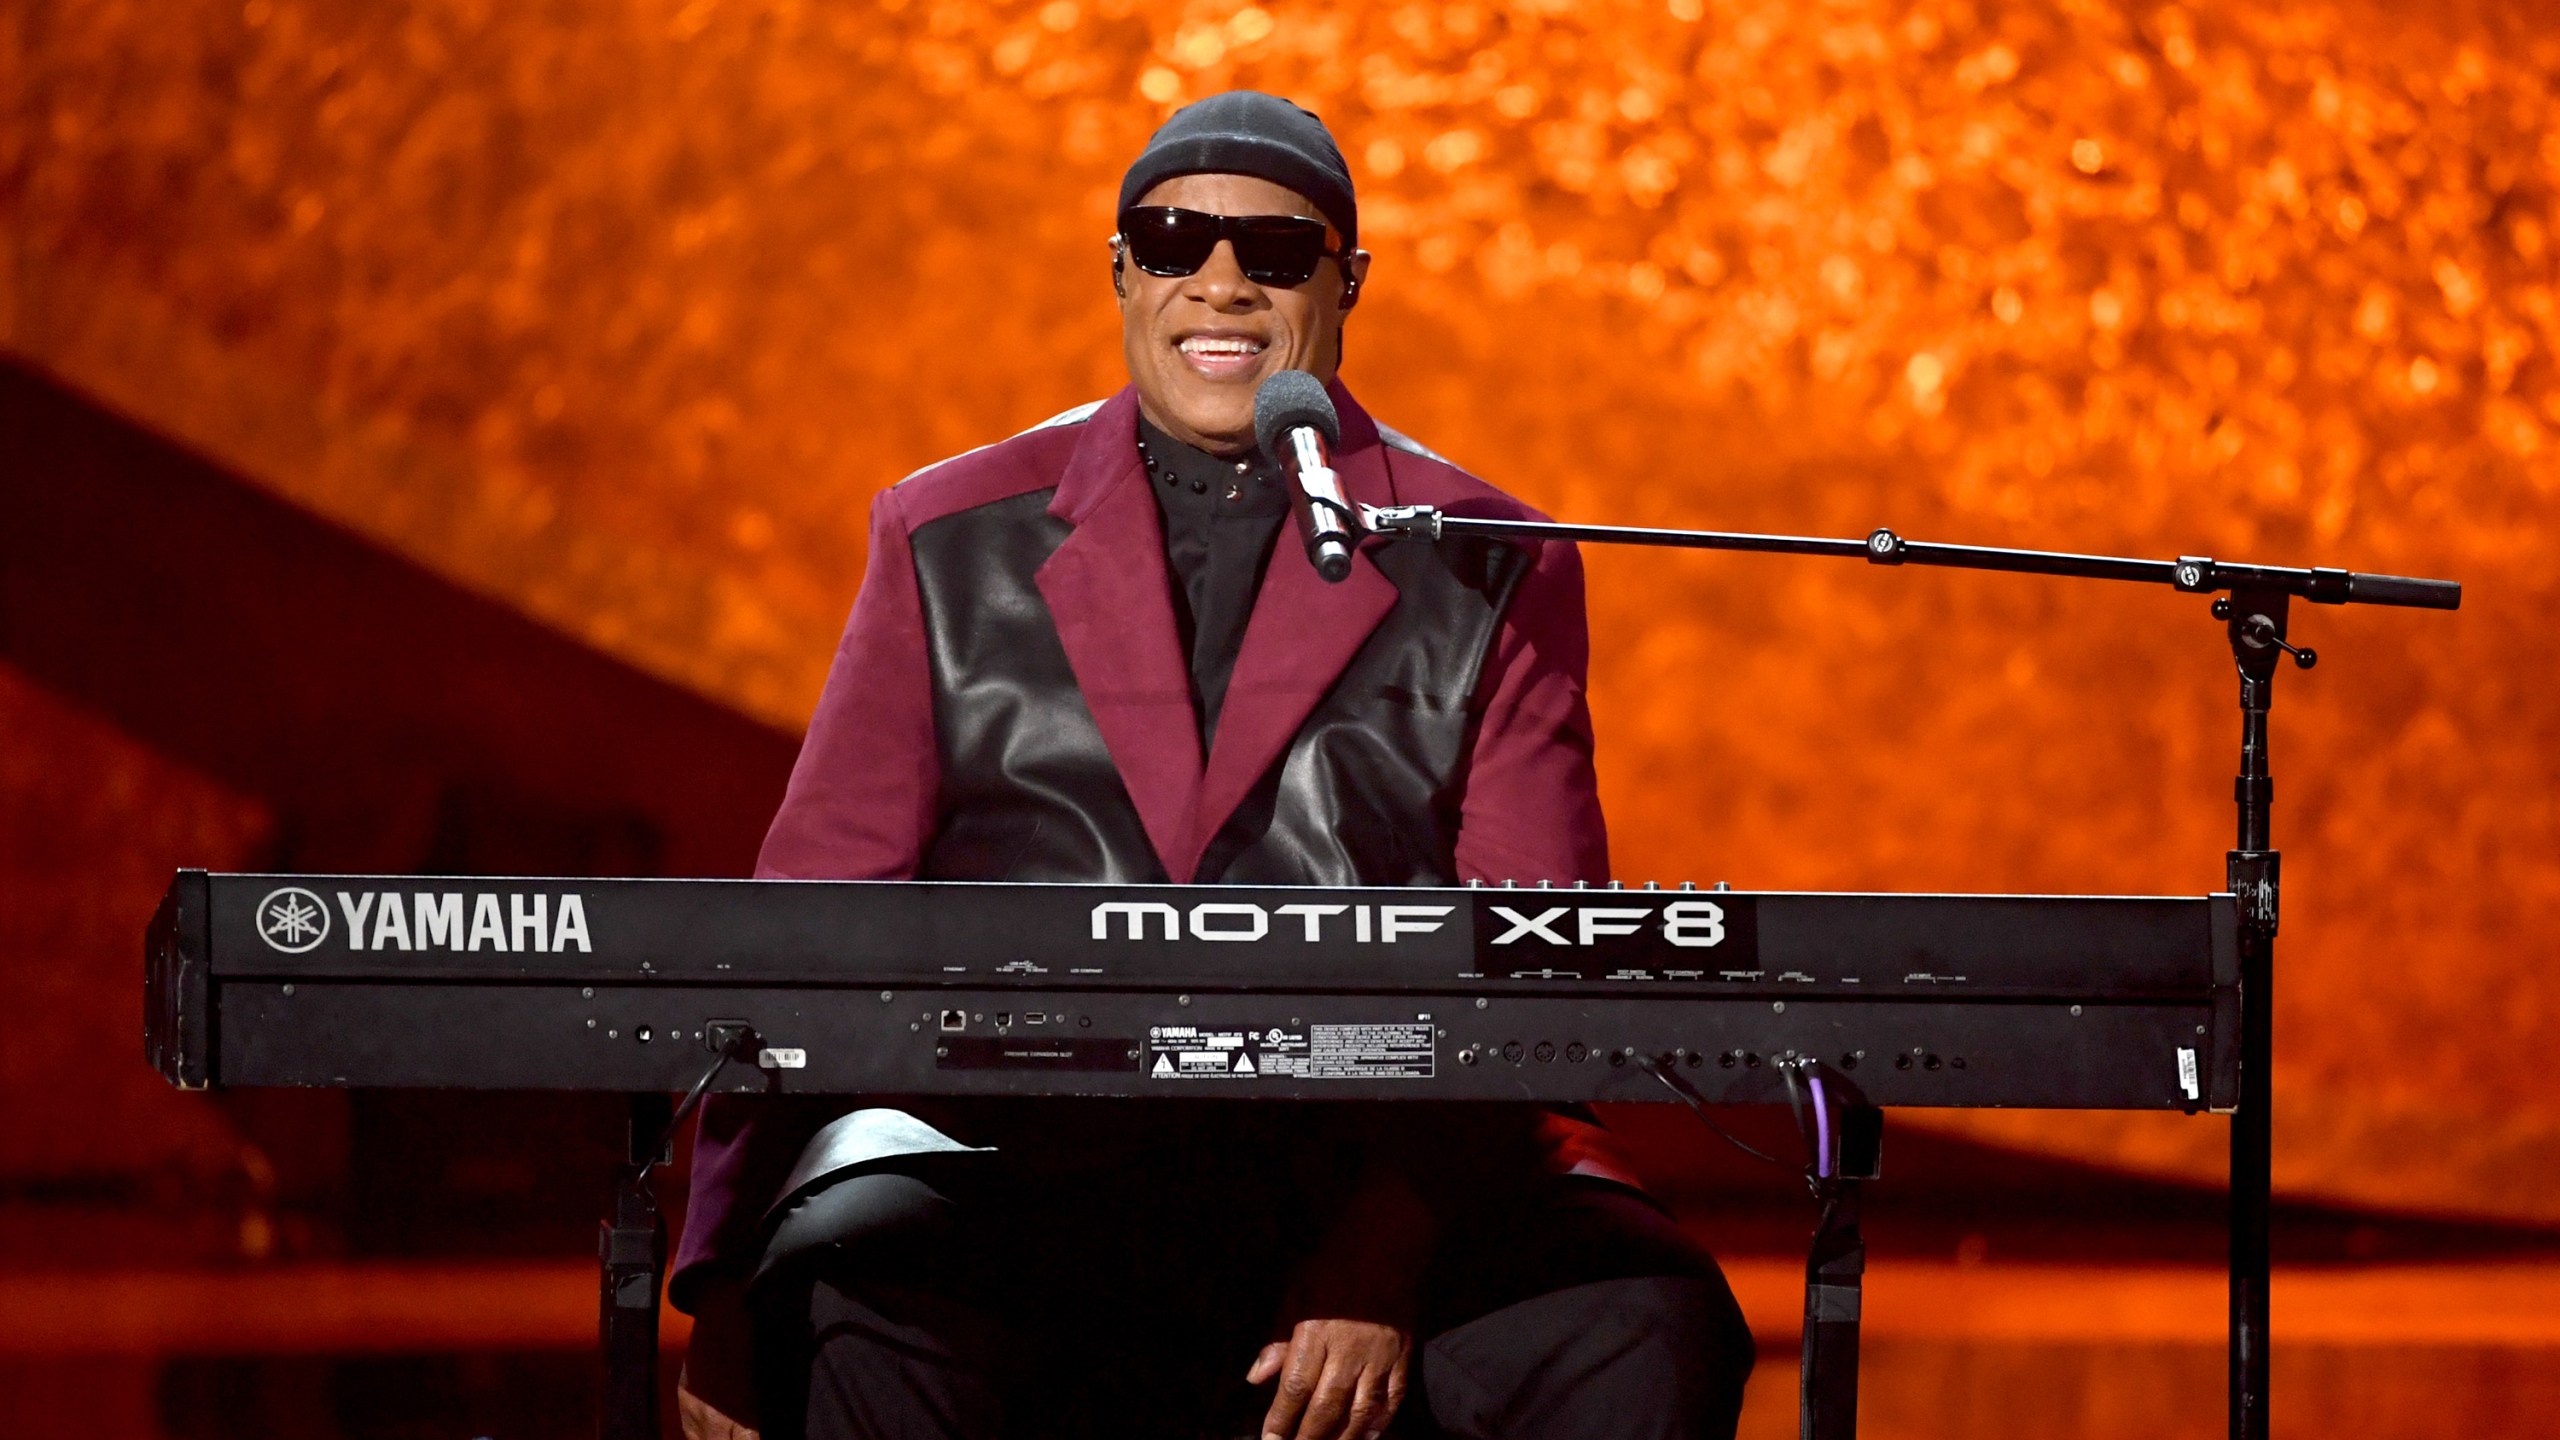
1392,1050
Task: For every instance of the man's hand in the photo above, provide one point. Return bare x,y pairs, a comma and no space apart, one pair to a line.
702,1422
1339,1379
1342,1369
715,1393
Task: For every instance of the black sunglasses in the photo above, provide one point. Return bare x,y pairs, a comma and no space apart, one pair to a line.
1280,250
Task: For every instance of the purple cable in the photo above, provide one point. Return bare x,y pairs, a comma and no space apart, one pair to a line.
1821,1125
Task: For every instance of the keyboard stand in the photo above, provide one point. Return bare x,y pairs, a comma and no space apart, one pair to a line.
632,1244
1834,1279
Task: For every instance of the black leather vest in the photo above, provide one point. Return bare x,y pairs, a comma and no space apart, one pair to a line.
1367,792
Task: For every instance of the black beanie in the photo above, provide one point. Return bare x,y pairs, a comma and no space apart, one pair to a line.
1245,132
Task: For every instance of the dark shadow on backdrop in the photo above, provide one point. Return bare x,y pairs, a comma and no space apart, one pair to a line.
395,721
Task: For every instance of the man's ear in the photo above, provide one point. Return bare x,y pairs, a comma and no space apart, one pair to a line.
1354,271
1119,260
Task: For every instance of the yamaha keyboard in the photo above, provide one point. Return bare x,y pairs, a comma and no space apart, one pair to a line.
1479,993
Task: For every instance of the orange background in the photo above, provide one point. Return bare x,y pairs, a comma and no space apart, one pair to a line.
619,313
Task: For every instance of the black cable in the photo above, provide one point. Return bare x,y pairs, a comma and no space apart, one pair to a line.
1696,1102
742,1044
1804,1125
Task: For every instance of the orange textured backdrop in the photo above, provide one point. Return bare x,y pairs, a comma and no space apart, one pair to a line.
621,312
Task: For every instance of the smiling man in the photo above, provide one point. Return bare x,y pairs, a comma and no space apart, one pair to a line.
1082,655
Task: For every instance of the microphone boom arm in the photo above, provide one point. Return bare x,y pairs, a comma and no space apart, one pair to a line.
2196,574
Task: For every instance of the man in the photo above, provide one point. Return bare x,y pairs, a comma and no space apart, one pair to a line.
1086,654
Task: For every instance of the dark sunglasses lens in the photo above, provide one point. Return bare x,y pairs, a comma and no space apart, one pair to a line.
1170,242
1281,252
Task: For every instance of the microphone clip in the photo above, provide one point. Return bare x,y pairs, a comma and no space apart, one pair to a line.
1416,520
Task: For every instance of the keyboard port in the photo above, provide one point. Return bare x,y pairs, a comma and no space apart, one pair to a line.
955,1019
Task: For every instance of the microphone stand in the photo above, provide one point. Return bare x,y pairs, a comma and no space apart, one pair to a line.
2252,601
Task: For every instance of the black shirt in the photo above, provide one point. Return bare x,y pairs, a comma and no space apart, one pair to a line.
1221,517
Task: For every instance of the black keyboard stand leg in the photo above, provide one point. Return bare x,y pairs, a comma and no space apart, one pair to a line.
1834,1285
633,1249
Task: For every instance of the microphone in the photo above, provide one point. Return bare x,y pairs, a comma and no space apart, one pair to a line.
1294,423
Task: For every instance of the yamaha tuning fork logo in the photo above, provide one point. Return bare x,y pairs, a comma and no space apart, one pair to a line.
293,919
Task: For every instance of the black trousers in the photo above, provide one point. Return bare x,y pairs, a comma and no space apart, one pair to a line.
958,1299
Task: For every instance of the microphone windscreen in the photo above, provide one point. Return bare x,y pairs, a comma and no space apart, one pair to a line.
1288,400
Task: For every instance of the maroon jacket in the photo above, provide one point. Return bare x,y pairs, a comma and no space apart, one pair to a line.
875,795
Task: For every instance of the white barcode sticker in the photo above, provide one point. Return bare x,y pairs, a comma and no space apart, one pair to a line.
2187,1073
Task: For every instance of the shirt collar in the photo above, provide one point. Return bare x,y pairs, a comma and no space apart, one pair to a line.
1190,481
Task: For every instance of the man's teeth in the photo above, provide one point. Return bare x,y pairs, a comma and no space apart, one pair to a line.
1220,348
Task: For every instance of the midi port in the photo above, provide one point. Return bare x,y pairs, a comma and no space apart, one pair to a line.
1577,1052
1545,1051
1511,1051
955,1019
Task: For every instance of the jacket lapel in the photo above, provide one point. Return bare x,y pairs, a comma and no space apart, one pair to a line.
1109,597
1302,633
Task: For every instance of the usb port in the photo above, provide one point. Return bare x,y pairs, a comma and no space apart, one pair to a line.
1035,1017
1003,1018
955,1019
